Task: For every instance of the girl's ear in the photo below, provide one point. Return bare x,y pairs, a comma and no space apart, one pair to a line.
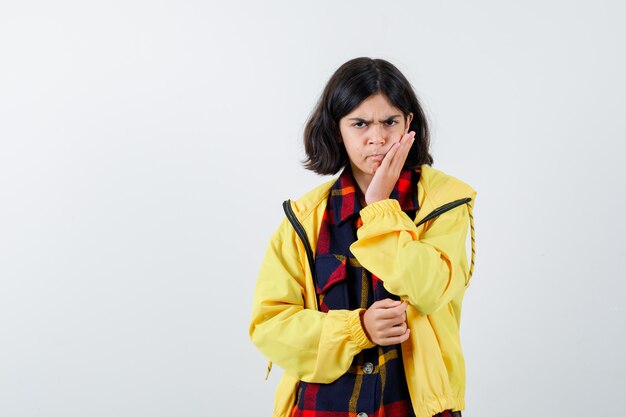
409,118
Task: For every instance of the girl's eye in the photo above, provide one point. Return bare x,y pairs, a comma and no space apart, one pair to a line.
390,122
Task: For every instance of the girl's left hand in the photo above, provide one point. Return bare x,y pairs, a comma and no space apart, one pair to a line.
388,172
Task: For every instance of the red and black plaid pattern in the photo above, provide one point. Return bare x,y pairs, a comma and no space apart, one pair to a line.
338,231
375,384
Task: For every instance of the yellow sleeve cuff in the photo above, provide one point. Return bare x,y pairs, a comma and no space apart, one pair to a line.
356,330
370,211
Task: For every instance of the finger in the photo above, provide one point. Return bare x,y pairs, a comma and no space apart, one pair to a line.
400,319
390,154
393,321
397,314
392,307
394,331
394,313
399,309
394,161
386,303
407,144
404,146
396,339
407,140
383,323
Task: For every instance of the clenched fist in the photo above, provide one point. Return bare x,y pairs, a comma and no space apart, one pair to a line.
385,322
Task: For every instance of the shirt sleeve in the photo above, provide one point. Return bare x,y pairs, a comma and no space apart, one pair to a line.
309,344
427,265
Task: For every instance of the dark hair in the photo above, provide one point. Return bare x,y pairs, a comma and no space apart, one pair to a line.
351,84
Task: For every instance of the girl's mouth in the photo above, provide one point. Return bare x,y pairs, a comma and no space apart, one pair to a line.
377,157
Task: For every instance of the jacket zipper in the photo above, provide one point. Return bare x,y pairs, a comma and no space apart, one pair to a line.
305,241
307,247
301,233
446,207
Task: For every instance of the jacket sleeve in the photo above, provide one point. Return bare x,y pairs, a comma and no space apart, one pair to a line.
309,344
428,269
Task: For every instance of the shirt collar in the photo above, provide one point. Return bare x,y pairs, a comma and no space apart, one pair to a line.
345,202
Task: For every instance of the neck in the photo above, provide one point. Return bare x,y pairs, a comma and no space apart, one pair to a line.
363,182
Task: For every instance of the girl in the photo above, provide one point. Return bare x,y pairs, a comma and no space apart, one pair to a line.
359,294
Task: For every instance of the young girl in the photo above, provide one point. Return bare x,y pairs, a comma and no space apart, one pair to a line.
359,294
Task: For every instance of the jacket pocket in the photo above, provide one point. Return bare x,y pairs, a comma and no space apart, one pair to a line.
331,282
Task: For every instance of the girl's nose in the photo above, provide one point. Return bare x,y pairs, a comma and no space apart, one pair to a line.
377,135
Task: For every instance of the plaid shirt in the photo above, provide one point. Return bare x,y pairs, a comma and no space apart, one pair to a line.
375,384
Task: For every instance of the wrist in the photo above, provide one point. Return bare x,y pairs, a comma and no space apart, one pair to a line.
380,207
363,326
372,200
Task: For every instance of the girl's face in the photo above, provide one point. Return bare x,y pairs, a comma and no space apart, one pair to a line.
369,131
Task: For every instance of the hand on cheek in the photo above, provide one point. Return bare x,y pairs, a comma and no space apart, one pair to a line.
387,172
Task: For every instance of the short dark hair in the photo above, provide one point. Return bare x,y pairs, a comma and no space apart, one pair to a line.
351,84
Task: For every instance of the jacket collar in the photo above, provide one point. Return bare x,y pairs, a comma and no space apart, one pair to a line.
434,189
345,202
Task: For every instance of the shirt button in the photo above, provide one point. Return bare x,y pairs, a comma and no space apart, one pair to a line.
368,368
361,415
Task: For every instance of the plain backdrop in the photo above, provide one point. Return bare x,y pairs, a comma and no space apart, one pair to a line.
146,147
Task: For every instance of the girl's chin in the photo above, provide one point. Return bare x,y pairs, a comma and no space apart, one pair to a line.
374,167
367,168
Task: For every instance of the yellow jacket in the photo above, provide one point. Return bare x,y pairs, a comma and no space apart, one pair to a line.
422,260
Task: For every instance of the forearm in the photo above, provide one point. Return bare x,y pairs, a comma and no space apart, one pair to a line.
425,267
311,345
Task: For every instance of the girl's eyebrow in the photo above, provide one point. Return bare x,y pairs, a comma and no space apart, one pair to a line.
358,119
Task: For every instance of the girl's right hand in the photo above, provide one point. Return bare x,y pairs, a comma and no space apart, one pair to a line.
385,322
388,172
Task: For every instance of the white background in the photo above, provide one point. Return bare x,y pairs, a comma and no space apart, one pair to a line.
146,147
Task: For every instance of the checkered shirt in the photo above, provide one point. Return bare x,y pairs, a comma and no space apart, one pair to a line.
375,384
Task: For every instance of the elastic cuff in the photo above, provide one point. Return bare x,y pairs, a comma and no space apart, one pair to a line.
356,330
380,207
